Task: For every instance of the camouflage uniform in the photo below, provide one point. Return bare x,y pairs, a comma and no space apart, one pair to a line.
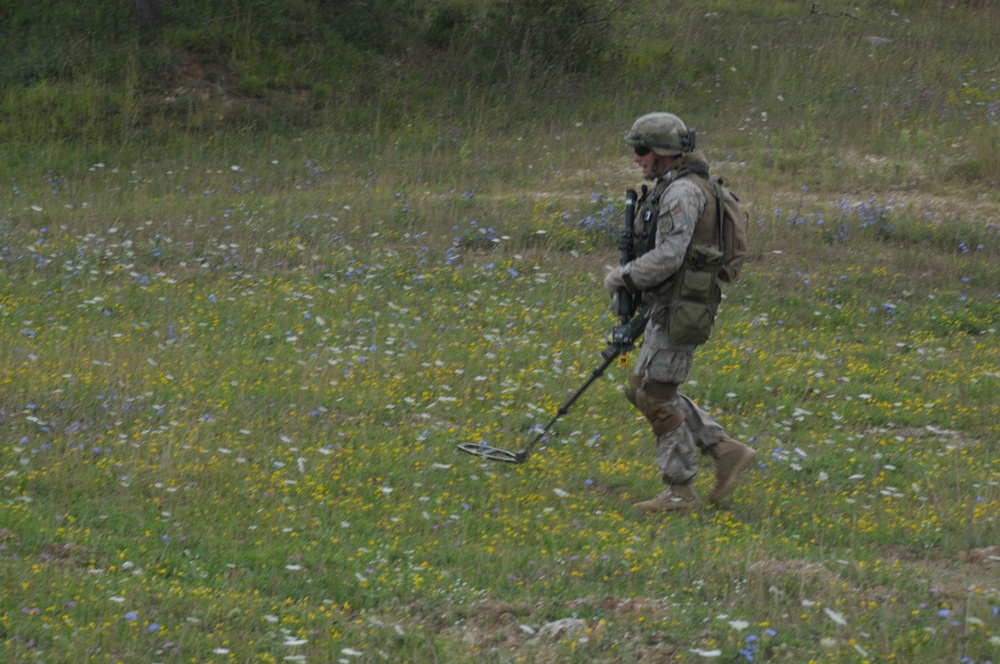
676,204
662,364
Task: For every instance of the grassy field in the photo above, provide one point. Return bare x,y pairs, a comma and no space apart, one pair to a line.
236,365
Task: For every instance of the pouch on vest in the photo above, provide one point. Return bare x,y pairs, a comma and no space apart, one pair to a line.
695,296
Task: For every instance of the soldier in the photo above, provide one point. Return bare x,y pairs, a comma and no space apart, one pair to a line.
665,150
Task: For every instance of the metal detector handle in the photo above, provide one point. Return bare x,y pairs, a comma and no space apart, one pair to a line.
623,337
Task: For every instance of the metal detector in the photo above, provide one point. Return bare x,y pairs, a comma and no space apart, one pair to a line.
481,449
623,338
623,341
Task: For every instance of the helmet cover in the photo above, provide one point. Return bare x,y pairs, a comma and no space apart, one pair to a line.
664,133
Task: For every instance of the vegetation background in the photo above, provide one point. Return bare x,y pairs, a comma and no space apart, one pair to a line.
267,263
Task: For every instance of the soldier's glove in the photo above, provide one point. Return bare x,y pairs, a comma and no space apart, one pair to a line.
613,281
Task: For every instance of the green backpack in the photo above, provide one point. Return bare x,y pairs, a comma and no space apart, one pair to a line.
730,227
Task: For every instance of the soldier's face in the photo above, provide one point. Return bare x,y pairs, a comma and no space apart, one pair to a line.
645,158
652,167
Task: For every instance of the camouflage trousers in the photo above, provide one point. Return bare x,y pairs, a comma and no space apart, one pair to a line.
681,428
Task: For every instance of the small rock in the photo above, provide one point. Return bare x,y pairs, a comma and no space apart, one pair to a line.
567,628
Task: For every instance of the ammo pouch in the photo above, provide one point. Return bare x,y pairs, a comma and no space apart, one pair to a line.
694,296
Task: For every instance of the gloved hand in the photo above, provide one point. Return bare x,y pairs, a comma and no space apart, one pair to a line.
613,281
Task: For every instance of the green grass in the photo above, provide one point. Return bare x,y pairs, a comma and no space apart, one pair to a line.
237,355
233,391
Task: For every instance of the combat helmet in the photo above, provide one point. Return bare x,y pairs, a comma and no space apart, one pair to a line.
664,133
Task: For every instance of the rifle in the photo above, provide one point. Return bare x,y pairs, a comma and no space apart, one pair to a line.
628,329
631,324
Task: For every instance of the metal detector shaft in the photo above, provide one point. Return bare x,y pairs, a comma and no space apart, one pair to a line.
623,337
609,356
614,350
632,331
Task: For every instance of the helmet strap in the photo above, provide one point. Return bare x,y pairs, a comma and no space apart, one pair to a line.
655,171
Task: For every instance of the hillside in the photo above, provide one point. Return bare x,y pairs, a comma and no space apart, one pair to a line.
909,79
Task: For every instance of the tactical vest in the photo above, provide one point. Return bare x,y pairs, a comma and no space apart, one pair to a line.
706,229
687,301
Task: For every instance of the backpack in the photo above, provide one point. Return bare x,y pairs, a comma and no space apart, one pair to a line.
730,228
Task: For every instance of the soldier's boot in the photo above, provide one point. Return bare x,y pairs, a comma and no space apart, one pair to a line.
731,459
676,498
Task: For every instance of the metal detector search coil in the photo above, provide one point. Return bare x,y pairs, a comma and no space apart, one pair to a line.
493,453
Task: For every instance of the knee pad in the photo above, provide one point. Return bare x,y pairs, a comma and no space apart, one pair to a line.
632,390
663,416
660,404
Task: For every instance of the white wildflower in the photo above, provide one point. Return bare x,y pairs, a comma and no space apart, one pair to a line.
835,617
707,653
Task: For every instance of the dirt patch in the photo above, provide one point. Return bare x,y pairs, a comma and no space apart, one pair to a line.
987,555
74,555
498,611
519,629
200,80
965,575
797,569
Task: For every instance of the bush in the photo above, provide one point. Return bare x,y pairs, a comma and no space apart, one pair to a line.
515,38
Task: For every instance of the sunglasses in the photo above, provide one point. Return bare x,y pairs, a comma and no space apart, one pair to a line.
641,151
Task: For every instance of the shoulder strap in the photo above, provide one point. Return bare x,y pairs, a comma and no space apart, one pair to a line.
721,207
692,168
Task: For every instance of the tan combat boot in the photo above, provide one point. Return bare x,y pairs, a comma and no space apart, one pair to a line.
675,498
731,458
